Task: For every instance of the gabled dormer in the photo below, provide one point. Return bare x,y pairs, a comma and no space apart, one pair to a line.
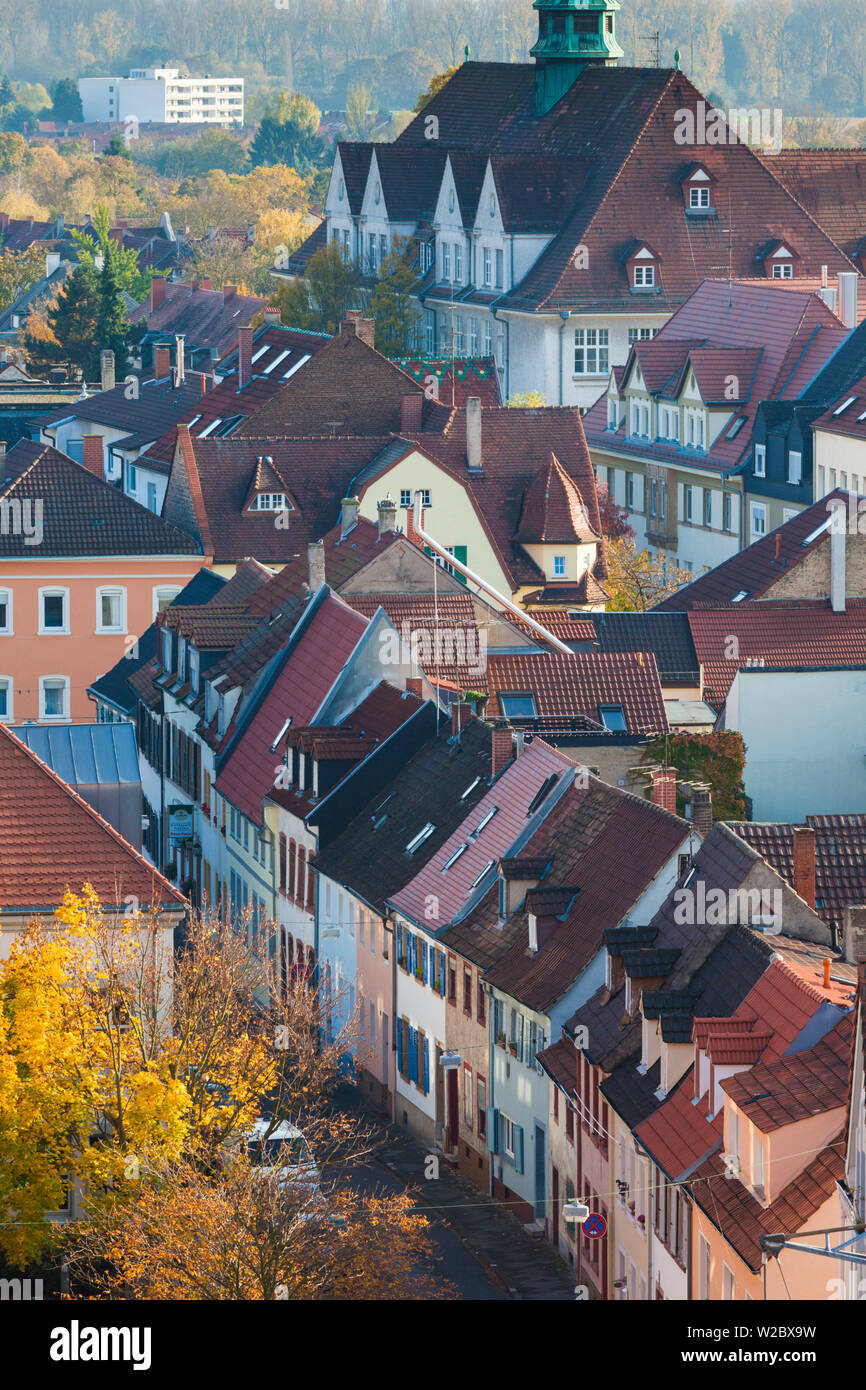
780,260
698,186
643,268
267,492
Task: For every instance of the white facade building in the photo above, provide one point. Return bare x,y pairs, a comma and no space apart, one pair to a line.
162,95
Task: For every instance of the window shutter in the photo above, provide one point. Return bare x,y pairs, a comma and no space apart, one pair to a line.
442,973
520,1037
413,1053
400,1047
533,1043
422,1045
424,961
426,1065
518,1148
399,941
493,1129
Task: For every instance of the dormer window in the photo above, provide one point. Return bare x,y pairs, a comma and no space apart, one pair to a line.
181,659
697,188
451,200
760,460
644,276
780,260
166,649
194,670
643,266
271,502
783,270
699,197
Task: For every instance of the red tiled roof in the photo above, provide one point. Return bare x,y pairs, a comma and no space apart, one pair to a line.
560,623
808,634
297,689
571,687
51,841
511,795
207,318
796,1087
451,616
553,509
560,1063
831,185
754,570
840,857
844,418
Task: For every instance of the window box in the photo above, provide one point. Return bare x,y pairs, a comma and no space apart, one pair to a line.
512,1048
500,1039
401,961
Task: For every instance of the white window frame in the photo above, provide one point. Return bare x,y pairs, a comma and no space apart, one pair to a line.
687,502
446,261
593,346
111,591
62,718
760,460
487,266
792,455
757,511
507,1132
699,197
783,270
7,683
159,590
53,592
644,276
559,566
6,598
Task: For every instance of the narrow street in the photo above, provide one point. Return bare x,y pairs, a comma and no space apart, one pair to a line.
504,1261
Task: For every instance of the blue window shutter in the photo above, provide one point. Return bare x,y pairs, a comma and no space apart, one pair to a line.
413,1053
442,973
399,1042
399,940
424,961
426,1065
493,1129
518,1148
520,1037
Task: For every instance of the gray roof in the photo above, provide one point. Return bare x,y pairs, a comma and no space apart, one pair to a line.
85,754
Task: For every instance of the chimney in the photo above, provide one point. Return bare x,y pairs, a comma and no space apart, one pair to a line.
362,327
415,686
387,510
533,933
245,356
460,714
106,369
316,565
411,529
854,934
52,261
157,292
271,315
702,810
204,381
206,284
847,298
179,361
161,361
2,460
92,454
349,515
823,277
229,291
804,863
473,435
837,561
778,549
501,749
410,413
665,788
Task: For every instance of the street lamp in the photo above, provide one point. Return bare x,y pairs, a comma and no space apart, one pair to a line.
575,1212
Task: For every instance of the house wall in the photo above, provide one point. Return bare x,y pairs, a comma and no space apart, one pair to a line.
375,983
835,455
800,730
805,1276
627,1234
81,654
561,1156
464,1034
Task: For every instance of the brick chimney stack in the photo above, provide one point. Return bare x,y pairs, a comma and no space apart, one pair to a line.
245,356
415,686
501,750
161,361
348,515
92,454
702,810
316,565
854,934
410,413
106,369
362,327
387,510
473,435
157,292
460,715
804,863
665,788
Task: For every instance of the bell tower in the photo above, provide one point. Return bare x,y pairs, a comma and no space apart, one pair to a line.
571,35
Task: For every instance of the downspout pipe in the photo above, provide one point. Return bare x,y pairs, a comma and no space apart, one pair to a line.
565,315
482,583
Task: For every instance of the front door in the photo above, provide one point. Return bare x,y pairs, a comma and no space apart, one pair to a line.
540,1173
453,1110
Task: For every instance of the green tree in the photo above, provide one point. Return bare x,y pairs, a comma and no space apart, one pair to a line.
359,112
7,95
112,326
67,334
91,249
67,101
14,153
287,135
320,302
118,147
395,315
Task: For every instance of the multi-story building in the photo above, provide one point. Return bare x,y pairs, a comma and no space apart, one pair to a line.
163,96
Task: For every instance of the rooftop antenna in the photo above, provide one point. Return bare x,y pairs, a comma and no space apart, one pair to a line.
654,42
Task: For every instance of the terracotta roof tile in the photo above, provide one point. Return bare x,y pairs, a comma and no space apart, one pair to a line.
578,687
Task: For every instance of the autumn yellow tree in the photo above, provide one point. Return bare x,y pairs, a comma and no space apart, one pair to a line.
636,580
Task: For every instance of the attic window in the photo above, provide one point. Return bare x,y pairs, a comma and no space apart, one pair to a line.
783,271
283,731
736,427
417,841
612,718
484,872
271,502
516,706
699,197
276,362
209,429
840,409
738,598
296,365
341,190
644,277
541,795
470,788
461,849
484,821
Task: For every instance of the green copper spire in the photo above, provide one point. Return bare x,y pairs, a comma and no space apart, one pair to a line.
571,35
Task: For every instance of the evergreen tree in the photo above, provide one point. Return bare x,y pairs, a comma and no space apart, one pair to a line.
67,333
287,135
112,328
67,102
395,315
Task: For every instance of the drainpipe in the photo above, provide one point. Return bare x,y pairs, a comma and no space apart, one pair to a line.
388,924
565,316
481,583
